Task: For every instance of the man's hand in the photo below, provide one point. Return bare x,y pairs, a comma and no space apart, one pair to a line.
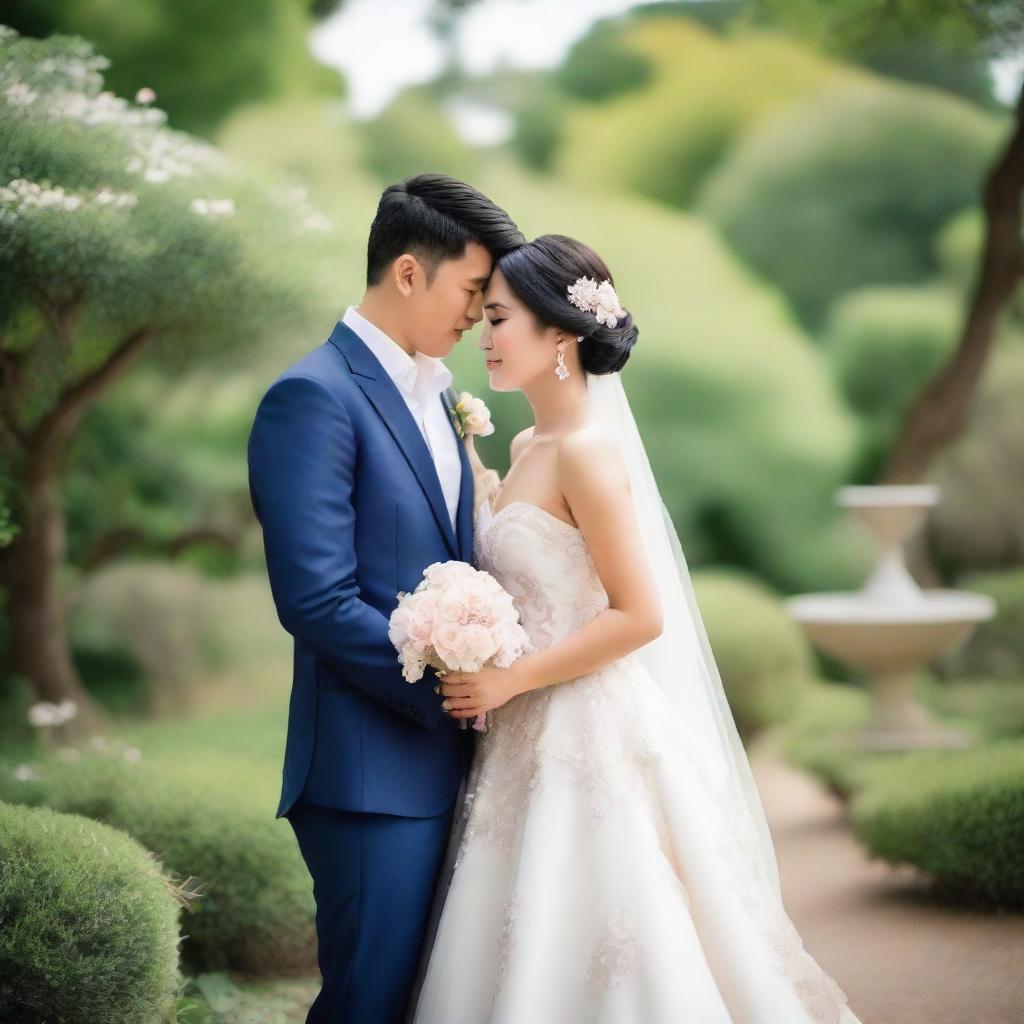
468,694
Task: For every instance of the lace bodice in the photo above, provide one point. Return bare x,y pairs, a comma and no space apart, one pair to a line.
544,563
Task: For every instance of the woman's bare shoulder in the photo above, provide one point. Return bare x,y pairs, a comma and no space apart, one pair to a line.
519,442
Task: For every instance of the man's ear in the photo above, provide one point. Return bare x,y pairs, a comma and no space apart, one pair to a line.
404,271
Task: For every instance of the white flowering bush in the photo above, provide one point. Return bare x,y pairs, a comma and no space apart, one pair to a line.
119,238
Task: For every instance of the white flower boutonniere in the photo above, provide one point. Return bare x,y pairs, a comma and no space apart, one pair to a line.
473,416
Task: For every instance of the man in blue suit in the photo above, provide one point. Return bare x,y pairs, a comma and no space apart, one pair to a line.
359,481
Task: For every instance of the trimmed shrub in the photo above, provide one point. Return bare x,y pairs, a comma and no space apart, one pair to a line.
817,739
677,99
762,656
212,820
996,648
883,345
840,190
957,815
89,925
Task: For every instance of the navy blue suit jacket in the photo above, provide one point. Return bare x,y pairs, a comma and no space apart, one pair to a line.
352,512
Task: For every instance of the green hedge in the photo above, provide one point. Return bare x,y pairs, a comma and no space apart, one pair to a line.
88,925
762,655
817,739
996,648
210,819
883,344
958,815
840,190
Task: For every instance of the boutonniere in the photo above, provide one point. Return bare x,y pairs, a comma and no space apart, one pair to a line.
471,416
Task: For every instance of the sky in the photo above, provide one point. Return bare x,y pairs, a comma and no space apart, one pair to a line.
521,33
528,34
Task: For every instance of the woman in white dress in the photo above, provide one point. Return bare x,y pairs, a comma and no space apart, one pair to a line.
611,863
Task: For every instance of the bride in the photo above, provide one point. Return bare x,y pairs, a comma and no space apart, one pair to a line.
611,862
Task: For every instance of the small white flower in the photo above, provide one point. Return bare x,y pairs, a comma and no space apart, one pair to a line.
67,709
20,95
474,415
132,754
25,773
213,207
145,96
43,714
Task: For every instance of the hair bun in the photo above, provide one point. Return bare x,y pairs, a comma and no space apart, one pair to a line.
606,349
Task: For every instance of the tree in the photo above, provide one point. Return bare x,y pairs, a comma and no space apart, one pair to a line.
119,239
939,413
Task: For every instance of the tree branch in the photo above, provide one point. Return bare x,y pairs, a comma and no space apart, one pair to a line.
115,543
53,430
940,413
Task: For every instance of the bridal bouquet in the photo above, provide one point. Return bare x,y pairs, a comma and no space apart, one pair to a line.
459,619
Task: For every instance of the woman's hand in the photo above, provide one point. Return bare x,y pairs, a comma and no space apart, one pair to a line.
468,694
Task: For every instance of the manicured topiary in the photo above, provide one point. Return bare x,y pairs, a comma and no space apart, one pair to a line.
88,923
763,658
209,819
957,815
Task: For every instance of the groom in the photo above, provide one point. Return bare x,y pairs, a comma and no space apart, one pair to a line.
360,482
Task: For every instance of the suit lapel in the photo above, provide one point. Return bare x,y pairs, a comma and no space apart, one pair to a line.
383,393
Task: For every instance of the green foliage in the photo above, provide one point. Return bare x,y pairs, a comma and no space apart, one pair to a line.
210,818
994,706
958,815
857,26
761,653
599,66
841,190
979,523
884,344
90,926
661,139
996,648
202,59
413,134
817,739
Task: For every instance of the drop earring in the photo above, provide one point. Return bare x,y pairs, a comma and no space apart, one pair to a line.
561,370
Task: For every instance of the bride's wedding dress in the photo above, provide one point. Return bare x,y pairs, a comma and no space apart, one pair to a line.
605,870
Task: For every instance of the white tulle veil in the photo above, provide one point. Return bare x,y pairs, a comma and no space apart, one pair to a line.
681,660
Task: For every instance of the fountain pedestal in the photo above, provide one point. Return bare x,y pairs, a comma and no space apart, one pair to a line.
891,628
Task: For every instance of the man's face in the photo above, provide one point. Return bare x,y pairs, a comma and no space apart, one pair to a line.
451,303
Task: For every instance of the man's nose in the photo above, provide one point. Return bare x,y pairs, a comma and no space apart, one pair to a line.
476,308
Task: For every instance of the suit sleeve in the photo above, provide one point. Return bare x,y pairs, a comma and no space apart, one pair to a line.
302,455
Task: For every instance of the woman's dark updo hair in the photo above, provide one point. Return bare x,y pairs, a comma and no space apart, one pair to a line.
540,273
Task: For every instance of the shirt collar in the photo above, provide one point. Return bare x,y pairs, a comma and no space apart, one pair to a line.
419,374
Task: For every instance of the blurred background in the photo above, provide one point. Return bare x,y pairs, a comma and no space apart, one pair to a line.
813,211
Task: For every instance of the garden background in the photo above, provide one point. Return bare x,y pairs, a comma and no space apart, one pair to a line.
813,210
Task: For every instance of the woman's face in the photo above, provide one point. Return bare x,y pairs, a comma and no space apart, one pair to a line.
517,350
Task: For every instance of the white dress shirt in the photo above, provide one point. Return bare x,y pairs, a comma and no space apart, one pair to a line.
420,379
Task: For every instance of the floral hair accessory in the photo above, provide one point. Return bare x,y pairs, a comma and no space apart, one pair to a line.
599,299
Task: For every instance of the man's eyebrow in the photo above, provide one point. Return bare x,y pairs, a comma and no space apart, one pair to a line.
479,280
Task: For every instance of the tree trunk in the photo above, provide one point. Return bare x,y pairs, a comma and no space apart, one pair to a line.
30,567
30,573
940,413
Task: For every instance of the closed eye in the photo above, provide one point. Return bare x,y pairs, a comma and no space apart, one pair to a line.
500,320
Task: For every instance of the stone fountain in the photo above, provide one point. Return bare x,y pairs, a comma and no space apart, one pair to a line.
891,628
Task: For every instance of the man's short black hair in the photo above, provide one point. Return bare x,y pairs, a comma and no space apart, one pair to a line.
433,216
